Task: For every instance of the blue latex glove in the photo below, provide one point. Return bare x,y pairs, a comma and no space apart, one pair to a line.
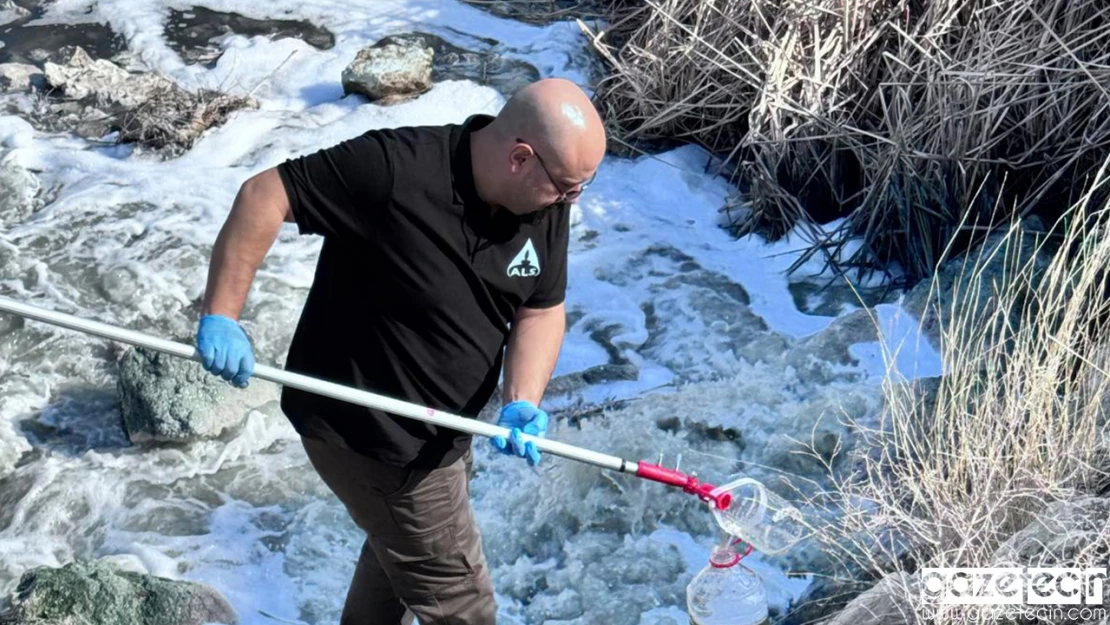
521,416
225,349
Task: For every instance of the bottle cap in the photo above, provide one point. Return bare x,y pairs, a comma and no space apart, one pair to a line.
723,557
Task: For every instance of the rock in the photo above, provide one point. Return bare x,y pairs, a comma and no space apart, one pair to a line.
832,343
597,374
389,72
104,82
169,399
890,602
953,287
97,592
1058,534
126,563
826,595
819,356
20,77
875,456
144,107
11,12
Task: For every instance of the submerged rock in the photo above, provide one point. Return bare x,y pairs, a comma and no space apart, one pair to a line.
389,71
169,399
100,593
20,77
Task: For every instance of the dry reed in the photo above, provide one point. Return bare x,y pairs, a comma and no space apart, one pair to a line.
1019,420
908,117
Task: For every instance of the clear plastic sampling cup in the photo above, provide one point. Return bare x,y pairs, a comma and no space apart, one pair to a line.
765,520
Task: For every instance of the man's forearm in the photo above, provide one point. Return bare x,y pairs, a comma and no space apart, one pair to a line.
533,349
260,208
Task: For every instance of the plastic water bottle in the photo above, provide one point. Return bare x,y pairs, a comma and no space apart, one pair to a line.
760,517
726,592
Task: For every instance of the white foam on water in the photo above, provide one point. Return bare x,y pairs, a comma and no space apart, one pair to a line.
125,238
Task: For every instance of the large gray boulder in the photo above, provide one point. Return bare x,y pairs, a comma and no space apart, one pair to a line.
956,287
1059,534
390,71
100,593
169,399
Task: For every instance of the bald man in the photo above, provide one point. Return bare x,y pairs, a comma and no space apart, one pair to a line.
444,257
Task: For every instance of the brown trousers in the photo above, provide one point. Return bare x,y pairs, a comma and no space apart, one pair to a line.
422,550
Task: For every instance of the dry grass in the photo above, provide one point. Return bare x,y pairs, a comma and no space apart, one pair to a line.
907,116
1019,420
173,119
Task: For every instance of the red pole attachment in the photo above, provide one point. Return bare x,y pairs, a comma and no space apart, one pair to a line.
687,483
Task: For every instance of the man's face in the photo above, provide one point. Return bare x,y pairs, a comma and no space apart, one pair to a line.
540,184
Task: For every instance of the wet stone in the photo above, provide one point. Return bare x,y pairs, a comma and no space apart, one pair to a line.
106,593
389,72
195,33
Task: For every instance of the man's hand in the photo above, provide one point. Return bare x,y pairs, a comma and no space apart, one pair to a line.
225,349
518,416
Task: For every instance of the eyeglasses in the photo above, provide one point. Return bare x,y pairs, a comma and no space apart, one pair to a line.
564,196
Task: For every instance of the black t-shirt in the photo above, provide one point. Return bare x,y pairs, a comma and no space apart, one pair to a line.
415,288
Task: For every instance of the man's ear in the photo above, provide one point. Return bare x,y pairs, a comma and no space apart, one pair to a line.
518,155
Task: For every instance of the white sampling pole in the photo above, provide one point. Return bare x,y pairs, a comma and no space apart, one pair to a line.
370,400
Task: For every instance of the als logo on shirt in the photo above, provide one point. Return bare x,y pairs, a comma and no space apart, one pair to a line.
526,263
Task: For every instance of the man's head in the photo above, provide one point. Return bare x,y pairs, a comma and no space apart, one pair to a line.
542,148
